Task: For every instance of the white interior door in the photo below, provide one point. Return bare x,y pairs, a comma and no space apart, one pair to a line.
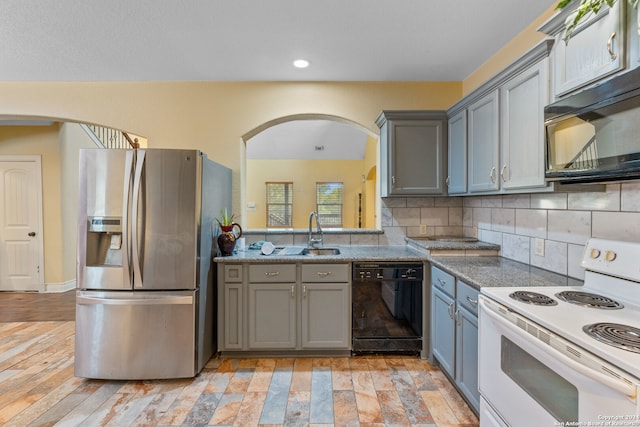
20,223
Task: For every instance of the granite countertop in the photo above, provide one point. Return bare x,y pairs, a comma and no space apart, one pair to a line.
347,254
451,244
497,271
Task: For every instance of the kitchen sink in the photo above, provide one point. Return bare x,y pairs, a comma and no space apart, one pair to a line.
320,251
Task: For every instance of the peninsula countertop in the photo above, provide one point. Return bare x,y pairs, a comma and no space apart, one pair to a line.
479,272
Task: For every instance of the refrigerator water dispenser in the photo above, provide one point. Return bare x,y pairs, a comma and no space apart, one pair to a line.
104,242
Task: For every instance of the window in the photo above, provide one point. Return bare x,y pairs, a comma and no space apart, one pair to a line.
329,203
279,204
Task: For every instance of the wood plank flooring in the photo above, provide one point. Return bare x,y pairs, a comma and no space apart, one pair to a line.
38,388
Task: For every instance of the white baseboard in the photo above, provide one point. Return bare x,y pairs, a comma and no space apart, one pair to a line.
60,287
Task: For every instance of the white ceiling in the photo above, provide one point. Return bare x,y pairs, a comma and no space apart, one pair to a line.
309,139
255,40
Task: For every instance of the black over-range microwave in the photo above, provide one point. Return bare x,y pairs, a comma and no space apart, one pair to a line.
594,135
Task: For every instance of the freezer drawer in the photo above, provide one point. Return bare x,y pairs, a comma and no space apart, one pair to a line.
135,335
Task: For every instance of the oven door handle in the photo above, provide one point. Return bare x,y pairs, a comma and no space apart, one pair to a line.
612,383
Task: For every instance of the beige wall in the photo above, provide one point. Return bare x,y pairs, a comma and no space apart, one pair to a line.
209,116
304,174
509,53
58,147
213,116
42,141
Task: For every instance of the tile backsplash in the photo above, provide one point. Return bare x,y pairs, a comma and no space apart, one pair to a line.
559,222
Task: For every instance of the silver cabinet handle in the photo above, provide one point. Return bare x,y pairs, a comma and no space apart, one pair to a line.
447,181
293,291
612,54
323,273
504,173
492,175
304,291
450,310
456,316
442,282
473,302
271,273
393,180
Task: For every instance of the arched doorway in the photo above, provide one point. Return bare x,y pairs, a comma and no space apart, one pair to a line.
300,152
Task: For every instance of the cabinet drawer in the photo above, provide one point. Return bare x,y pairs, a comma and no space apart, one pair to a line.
272,273
443,281
467,297
325,273
233,273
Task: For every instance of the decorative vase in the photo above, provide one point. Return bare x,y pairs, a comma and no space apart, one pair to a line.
227,238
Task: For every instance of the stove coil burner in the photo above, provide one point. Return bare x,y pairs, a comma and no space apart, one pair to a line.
589,300
533,298
616,335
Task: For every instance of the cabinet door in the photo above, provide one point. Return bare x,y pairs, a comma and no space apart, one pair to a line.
272,315
483,144
595,50
416,157
467,356
522,104
457,179
233,315
326,316
443,329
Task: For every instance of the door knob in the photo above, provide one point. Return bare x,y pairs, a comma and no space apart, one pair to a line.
32,234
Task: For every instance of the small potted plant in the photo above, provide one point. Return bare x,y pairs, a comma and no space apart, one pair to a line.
231,231
225,220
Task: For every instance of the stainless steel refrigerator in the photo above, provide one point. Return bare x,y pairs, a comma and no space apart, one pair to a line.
145,302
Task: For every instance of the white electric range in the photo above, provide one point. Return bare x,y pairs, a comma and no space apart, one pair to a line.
562,355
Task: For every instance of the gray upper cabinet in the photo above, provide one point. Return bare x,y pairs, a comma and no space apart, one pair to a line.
597,48
522,102
412,150
502,123
484,134
457,178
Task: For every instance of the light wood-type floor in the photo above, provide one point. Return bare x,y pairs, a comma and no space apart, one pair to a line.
38,388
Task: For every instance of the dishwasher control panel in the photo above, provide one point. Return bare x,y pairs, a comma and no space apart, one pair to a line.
388,271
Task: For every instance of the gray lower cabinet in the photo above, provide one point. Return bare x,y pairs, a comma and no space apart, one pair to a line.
326,306
466,317
454,332
230,321
272,306
443,326
284,307
272,315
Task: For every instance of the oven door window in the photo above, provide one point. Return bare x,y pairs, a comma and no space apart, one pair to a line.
558,396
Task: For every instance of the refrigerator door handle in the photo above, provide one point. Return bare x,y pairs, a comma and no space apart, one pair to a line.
137,271
126,261
158,300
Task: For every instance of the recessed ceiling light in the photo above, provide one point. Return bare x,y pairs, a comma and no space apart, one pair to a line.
301,63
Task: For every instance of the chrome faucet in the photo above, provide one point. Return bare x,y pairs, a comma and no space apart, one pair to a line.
314,241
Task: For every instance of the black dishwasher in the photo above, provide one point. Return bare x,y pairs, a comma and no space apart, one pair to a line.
387,308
